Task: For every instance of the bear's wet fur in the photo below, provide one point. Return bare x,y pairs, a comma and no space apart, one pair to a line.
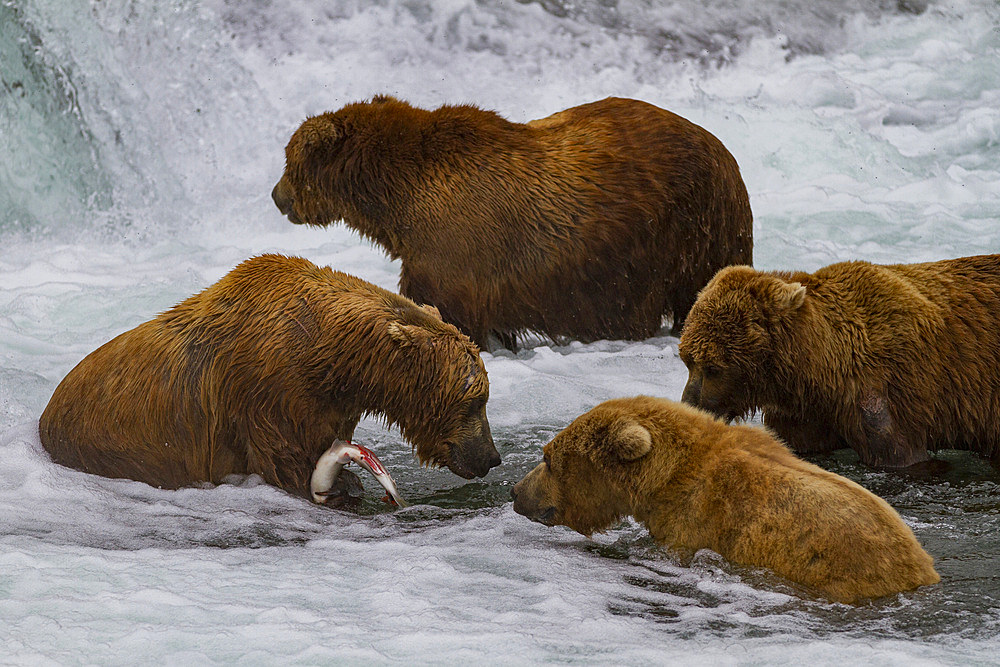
592,223
890,360
259,373
698,483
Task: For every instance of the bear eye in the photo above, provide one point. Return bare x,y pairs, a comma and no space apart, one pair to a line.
712,371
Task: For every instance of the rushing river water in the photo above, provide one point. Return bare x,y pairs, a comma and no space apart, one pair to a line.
139,142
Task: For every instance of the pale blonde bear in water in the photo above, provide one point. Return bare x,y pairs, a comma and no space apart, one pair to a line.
697,483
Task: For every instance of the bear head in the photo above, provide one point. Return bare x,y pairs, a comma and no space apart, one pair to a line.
728,341
444,414
587,478
464,443
327,157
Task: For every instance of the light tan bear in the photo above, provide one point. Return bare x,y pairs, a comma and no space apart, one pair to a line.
260,373
891,361
697,483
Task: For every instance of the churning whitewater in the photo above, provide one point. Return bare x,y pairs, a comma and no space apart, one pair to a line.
139,143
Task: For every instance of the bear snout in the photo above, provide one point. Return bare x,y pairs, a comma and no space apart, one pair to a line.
692,393
521,505
531,500
283,199
473,459
494,459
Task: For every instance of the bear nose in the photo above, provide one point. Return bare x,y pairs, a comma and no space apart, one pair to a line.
513,493
280,200
692,393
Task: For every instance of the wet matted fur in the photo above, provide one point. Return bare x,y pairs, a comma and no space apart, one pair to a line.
592,223
891,360
260,372
697,483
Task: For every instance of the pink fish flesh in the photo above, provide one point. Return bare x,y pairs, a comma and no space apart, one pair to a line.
341,453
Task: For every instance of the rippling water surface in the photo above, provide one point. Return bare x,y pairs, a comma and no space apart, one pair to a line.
138,146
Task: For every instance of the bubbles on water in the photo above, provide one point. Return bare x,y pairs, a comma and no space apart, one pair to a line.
22,395
863,129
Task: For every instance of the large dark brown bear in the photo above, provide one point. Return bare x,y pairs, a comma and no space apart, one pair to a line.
592,223
260,373
697,483
889,360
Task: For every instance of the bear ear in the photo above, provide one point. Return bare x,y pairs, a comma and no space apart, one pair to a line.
431,310
634,441
408,334
420,316
627,440
791,296
323,131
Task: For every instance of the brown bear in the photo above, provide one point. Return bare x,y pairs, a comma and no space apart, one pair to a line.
889,360
591,223
696,483
260,373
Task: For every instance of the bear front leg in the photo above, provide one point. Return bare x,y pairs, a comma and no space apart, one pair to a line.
884,443
804,436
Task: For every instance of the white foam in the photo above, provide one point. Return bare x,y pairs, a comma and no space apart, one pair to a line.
868,135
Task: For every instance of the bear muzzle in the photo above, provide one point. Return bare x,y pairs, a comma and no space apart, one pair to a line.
693,395
529,500
284,200
692,392
473,459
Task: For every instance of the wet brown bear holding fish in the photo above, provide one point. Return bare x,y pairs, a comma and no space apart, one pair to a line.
592,223
890,360
261,373
696,483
